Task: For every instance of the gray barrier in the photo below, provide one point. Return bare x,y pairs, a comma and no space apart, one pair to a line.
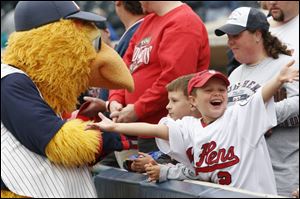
115,183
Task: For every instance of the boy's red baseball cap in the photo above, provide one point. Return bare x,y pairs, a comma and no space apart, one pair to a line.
201,78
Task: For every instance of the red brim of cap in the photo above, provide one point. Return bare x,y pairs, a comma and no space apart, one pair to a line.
200,80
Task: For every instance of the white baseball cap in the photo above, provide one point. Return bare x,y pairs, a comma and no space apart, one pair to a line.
244,18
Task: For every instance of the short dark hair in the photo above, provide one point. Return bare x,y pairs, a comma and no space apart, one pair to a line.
180,84
133,7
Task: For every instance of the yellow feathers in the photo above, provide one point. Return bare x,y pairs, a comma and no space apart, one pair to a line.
8,194
57,58
73,146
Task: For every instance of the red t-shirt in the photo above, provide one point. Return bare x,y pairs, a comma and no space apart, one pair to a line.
162,49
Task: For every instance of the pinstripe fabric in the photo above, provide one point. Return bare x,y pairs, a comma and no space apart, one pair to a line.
29,174
6,70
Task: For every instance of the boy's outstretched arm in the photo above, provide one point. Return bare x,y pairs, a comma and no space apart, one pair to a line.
135,129
286,74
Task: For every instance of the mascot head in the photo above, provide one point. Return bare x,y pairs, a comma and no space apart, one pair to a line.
53,44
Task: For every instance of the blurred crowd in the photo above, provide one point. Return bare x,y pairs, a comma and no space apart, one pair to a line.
207,10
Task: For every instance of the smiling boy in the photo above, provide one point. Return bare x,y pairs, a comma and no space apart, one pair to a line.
223,146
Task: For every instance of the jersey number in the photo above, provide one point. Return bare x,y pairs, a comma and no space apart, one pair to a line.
224,177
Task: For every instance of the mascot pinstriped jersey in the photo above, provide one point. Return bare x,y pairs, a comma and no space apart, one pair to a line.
49,61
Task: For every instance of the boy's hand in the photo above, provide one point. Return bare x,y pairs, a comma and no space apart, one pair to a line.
289,73
152,171
296,193
105,125
139,163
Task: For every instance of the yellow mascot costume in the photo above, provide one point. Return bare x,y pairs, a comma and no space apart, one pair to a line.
49,61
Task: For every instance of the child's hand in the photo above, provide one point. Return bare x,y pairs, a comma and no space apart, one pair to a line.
139,163
296,193
105,125
288,73
152,172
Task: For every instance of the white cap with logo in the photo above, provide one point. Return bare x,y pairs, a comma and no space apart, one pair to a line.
244,18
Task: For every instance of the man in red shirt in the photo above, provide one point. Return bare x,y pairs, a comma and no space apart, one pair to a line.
171,41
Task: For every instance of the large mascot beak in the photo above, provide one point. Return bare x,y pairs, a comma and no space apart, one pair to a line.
110,71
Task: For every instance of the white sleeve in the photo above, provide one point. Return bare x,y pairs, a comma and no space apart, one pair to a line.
178,140
288,107
255,117
287,110
176,172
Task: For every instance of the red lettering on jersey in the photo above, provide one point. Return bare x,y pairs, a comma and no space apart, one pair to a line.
215,159
224,177
190,154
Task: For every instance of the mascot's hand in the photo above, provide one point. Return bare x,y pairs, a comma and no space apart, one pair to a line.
92,107
87,111
75,146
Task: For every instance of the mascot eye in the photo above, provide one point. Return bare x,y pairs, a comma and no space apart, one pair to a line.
97,43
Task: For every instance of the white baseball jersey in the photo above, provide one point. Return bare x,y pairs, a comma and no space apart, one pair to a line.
230,151
283,144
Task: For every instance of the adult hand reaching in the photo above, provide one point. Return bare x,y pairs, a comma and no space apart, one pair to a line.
127,114
94,106
115,108
289,73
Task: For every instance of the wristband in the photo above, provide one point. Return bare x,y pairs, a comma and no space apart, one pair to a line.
107,104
